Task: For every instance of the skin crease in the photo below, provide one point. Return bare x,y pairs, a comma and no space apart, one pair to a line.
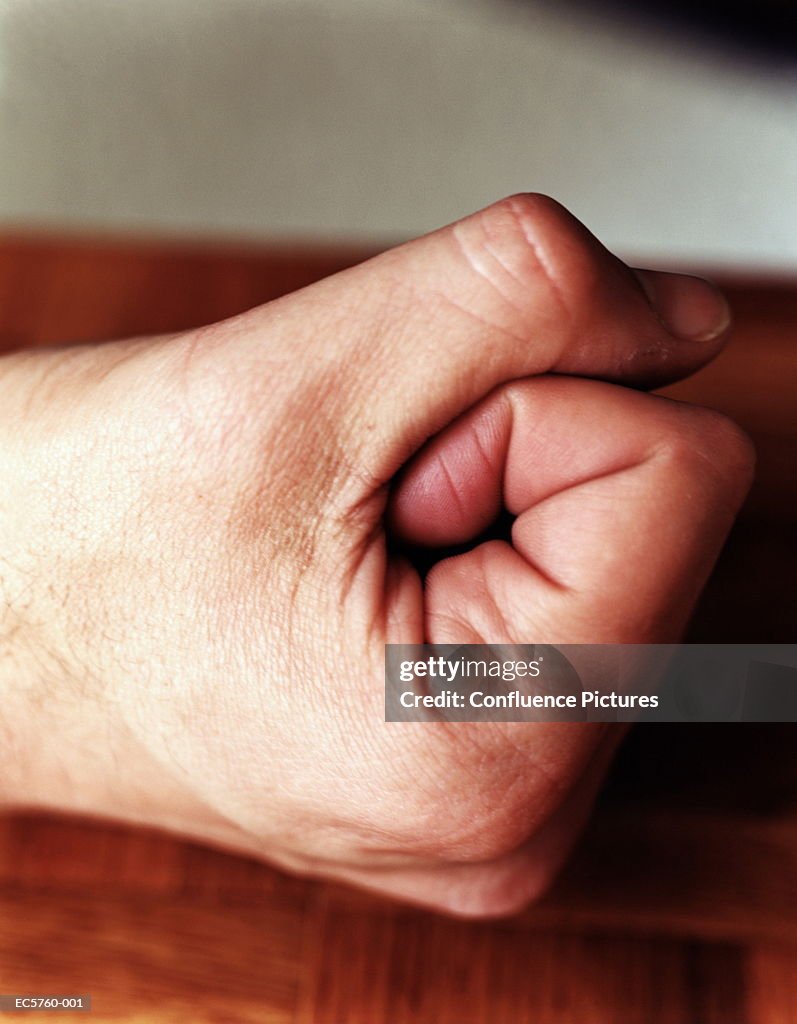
197,582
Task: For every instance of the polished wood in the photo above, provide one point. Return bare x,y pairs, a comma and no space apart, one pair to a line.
680,904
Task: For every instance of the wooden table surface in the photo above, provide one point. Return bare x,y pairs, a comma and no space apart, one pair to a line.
680,905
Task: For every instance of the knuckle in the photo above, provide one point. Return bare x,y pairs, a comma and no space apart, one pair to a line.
497,890
527,240
560,248
699,438
536,207
732,442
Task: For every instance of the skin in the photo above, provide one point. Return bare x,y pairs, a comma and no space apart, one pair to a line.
197,584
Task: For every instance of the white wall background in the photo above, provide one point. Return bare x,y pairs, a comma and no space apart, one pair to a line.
372,119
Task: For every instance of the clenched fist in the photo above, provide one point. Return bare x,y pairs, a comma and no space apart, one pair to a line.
203,550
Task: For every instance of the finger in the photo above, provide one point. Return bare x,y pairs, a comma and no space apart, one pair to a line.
421,333
622,500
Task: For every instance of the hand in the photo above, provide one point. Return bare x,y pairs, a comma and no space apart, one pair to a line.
198,584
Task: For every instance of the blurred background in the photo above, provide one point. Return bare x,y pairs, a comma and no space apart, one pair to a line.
670,128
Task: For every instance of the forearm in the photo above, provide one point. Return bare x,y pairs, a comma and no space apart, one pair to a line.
68,737
20,693
43,707
64,743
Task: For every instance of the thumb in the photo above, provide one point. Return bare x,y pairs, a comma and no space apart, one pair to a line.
424,331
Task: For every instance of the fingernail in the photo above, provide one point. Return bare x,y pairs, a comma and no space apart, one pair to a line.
689,307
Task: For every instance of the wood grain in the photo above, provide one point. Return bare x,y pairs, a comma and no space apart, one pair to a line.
679,906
